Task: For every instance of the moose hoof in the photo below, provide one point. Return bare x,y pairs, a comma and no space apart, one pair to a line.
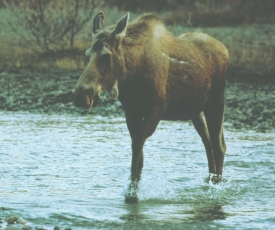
131,199
215,178
131,195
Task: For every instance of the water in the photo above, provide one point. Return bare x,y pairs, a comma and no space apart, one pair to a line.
69,171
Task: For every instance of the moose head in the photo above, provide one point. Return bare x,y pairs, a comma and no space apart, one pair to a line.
106,63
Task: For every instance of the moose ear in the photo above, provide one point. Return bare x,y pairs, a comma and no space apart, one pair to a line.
120,29
98,22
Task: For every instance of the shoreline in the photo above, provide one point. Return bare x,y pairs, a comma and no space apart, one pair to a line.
249,102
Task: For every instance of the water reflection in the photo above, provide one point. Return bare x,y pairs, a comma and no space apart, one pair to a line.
208,212
135,213
143,215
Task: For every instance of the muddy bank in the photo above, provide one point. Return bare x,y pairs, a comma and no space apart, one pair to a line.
249,102
48,92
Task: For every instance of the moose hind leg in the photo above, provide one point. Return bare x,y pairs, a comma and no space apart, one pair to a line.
214,117
200,125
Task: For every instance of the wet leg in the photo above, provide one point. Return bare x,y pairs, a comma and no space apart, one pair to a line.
200,125
134,120
145,129
214,118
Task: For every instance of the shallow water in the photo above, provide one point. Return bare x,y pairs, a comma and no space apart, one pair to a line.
68,171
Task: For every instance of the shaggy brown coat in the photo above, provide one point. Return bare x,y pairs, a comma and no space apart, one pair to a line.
157,76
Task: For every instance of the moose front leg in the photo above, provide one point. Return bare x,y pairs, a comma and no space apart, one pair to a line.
144,130
134,119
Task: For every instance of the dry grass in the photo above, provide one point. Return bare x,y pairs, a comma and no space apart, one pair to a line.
251,48
20,57
69,64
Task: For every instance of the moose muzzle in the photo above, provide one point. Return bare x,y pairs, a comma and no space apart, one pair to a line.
86,98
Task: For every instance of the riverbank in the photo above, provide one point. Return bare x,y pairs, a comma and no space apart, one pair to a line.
249,102
43,82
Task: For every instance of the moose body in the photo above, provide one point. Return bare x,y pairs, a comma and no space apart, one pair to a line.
157,76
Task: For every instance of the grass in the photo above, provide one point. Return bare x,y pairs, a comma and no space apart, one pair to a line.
251,47
20,57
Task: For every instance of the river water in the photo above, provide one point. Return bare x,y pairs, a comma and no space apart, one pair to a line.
73,171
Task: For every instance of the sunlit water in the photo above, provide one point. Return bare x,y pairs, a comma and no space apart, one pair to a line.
71,171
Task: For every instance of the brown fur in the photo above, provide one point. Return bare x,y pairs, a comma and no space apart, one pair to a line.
159,76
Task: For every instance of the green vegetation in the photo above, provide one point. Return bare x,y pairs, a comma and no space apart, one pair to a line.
55,34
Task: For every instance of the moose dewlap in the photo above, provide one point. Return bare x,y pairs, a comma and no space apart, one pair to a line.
157,76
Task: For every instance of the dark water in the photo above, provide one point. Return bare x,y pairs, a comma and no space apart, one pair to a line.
70,171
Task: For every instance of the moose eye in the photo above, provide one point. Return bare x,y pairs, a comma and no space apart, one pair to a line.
107,46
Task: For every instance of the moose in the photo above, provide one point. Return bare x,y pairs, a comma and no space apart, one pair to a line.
157,76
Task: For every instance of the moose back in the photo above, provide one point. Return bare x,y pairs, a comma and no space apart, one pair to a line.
157,76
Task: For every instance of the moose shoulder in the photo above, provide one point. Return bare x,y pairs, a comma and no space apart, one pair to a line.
157,76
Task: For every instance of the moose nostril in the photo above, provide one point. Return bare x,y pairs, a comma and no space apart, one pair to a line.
83,97
89,92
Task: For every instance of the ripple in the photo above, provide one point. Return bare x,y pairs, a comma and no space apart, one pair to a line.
73,171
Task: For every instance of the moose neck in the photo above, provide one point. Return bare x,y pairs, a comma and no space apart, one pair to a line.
132,59
145,37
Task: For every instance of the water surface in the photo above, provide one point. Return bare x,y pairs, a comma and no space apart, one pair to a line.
69,171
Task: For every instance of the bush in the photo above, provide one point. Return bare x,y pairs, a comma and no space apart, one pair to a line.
47,22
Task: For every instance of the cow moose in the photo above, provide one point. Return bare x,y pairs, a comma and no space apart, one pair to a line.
157,76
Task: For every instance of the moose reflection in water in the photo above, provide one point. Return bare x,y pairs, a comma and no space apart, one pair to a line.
157,76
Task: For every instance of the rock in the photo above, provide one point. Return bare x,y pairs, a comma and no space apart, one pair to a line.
17,223
21,221
12,220
26,228
56,228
